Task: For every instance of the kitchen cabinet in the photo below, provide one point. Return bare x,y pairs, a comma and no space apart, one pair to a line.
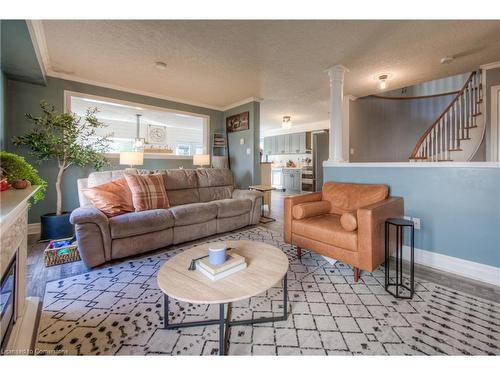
295,143
291,179
281,144
268,149
288,144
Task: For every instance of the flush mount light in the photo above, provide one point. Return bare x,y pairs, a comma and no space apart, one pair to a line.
447,59
382,84
161,65
287,122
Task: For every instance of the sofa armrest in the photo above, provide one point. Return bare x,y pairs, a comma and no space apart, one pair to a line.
88,214
288,215
371,230
93,235
256,198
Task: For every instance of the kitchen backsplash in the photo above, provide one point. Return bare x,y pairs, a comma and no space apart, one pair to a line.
281,160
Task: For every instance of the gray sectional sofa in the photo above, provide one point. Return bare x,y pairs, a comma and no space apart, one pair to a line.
203,202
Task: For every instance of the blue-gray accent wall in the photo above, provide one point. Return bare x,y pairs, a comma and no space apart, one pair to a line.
459,207
246,167
19,60
23,97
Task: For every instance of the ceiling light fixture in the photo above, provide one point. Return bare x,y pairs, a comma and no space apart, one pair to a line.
447,59
161,65
382,84
287,122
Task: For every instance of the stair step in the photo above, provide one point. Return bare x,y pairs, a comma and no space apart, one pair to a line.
470,127
455,149
418,158
479,101
476,114
439,160
464,139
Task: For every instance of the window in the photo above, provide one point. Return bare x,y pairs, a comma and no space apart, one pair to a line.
157,130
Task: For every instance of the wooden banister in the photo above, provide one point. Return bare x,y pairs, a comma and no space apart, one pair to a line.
414,154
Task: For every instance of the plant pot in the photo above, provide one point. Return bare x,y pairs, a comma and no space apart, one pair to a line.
55,227
20,184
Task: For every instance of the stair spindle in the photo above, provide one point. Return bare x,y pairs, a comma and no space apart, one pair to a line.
446,149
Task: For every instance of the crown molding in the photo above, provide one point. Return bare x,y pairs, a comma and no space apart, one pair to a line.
241,102
75,78
491,65
37,35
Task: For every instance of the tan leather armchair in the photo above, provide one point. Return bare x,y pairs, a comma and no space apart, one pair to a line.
343,222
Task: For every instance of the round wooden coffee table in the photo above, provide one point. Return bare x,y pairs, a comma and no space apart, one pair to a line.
266,266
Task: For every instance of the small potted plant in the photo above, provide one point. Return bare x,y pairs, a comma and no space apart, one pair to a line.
70,140
18,173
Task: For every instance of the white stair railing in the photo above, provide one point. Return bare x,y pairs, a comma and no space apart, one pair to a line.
453,126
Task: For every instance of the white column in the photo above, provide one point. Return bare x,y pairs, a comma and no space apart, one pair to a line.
336,74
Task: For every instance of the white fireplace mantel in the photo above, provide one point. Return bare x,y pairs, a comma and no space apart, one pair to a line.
14,237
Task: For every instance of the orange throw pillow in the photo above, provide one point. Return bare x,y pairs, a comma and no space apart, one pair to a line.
148,191
349,221
112,198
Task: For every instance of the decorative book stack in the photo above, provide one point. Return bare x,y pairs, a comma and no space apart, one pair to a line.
233,263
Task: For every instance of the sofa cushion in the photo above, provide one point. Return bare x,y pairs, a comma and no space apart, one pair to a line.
209,194
214,184
211,177
345,197
349,221
233,207
193,213
112,198
182,186
99,178
135,223
148,191
327,229
309,209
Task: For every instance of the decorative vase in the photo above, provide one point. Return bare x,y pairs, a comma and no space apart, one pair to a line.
20,184
55,227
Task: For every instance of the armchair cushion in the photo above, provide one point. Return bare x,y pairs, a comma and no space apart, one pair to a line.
349,221
345,197
310,209
326,229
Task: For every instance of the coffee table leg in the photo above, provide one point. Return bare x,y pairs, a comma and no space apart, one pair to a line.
222,330
285,297
165,310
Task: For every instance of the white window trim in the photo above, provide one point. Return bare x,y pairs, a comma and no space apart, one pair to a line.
147,155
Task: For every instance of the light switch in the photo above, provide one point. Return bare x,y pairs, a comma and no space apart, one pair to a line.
242,141
351,151
248,151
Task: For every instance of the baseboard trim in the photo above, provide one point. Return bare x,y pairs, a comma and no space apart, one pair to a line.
466,268
34,228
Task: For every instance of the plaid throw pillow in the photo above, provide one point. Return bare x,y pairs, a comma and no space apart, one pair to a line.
148,191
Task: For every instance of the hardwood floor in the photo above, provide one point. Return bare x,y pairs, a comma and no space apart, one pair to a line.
39,275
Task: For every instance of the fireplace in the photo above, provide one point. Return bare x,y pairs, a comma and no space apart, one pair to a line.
8,302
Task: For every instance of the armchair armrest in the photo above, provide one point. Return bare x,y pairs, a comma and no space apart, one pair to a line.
371,236
290,202
93,235
255,197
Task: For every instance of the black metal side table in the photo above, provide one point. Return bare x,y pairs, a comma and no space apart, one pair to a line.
400,290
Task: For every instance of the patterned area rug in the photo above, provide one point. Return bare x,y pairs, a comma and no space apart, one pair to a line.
119,310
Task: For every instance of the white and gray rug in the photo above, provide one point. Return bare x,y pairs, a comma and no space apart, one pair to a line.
118,310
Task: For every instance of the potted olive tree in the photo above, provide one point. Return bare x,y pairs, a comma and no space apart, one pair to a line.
70,140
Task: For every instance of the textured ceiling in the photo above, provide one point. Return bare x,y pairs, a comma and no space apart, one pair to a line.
221,62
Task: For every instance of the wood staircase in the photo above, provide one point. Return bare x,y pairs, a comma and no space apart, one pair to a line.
457,133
